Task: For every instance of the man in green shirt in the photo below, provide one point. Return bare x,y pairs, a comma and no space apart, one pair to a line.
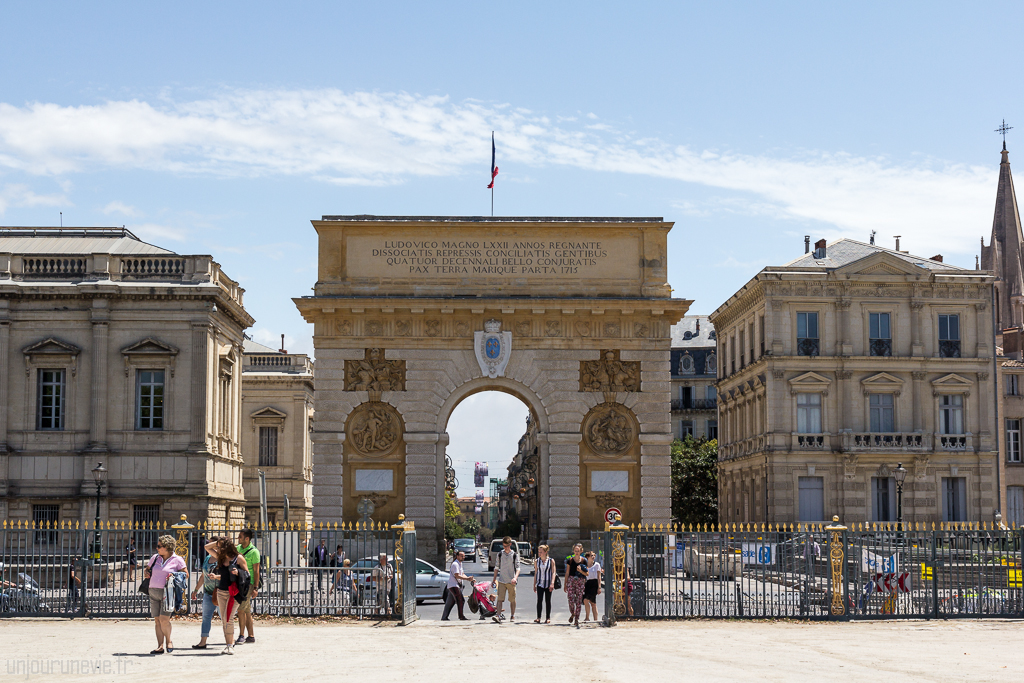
252,560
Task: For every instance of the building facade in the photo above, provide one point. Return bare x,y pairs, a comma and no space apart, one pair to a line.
845,363
277,418
118,352
694,368
1004,256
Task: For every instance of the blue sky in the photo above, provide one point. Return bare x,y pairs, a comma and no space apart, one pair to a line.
225,128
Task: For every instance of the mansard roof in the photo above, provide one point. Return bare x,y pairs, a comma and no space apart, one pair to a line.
116,241
845,251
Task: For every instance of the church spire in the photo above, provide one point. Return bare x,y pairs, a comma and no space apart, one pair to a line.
1004,254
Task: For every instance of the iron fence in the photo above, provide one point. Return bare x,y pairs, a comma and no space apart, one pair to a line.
808,571
73,569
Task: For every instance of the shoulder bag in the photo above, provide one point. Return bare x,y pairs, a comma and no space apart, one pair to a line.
144,585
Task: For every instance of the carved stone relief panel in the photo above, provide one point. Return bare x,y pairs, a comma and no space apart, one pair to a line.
582,328
374,373
611,329
374,328
609,429
553,328
433,328
609,373
403,328
374,429
523,328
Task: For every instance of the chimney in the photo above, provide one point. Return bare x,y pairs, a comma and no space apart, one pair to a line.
937,257
282,349
897,241
819,249
807,244
872,240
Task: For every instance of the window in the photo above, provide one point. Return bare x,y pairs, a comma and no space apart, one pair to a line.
951,414
812,499
146,514
743,351
686,364
807,334
710,393
1015,506
268,446
710,366
1013,440
808,413
50,410
750,338
45,516
1013,385
954,499
685,428
149,402
883,499
732,355
949,336
686,397
880,342
712,429
761,335
882,413
712,335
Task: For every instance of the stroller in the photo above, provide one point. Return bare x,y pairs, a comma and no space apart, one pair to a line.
483,599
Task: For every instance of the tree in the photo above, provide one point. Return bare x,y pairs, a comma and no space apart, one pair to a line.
471,527
451,508
695,481
452,529
510,527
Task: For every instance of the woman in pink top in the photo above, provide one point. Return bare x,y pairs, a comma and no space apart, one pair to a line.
158,569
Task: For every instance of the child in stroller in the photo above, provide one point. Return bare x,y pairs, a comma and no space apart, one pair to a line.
483,599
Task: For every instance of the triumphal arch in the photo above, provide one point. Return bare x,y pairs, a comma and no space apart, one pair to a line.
571,315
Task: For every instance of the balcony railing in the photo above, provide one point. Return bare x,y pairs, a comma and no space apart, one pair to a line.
694,404
807,346
810,441
886,441
880,347
949,348
952,442
292,363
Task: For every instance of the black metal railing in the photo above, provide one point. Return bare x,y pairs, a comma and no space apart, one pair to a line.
880,347
55,569
949,348
812,571
807,346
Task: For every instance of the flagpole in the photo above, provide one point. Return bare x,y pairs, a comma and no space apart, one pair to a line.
492,202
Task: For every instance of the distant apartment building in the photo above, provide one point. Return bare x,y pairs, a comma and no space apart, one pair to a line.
694,374
118,352
844,363
277,418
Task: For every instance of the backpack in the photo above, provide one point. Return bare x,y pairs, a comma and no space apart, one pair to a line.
249,564
501,556
243,581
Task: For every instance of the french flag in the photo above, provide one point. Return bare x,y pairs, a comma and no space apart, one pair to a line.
494,169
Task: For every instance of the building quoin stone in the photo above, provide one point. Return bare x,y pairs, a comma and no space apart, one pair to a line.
277,418
113,350
694,368
844,363
1004,256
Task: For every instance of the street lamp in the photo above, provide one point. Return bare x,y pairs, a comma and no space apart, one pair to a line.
900,475
99,473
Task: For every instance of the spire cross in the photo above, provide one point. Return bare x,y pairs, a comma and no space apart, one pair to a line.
1003,129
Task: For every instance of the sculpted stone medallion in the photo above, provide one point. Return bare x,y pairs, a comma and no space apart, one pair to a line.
374,373
609,429
609,374
374,429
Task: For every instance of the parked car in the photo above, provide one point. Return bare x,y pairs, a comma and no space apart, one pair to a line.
431,582
466,545
525,550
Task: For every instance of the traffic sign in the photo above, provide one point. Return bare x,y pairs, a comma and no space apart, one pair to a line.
904,582
610,514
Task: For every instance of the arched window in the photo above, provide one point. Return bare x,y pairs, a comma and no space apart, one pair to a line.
712,335
686,364
711,367
687,335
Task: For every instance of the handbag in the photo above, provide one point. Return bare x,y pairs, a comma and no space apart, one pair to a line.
144,586
558,582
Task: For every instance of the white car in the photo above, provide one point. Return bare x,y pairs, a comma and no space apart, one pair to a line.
431,582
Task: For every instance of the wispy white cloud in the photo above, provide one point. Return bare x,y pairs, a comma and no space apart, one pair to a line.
21,195
121,208
155,232
383,138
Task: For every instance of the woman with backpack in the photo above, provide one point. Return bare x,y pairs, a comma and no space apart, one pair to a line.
232,585
544,574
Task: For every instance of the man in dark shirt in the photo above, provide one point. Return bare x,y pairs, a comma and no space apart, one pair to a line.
319,558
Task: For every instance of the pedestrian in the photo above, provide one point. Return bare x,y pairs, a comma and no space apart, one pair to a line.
319,558
131,560
252,560
506,575
160,567
344,582
454,597
543,581
575,582
337,558
384,575
232,573
74,581
210,581
593,586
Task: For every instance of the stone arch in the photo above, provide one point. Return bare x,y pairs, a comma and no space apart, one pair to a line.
503,384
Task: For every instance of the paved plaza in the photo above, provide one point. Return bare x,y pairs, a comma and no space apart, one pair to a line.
432,651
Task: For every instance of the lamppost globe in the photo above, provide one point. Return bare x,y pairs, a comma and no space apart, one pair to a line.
99,473
900,474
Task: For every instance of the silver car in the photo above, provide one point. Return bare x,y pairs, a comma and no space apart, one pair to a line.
431,582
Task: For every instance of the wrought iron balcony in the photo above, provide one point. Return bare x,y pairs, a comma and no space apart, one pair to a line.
694,404
949,348
807,346
880,347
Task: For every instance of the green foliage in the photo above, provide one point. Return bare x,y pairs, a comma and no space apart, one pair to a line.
512,526
451,508
472,527
452,530
695,481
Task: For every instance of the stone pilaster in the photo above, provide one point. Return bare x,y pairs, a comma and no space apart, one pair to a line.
5,377
199,378
564,479
98,375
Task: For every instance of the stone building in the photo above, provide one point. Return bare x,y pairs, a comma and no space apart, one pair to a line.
117,351
1005,257
522,492
570,315
467,510
694,368
844,363
277,418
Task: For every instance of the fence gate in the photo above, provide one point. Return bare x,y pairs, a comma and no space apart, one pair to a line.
405,549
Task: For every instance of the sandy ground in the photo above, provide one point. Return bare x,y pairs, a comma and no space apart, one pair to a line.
432,651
